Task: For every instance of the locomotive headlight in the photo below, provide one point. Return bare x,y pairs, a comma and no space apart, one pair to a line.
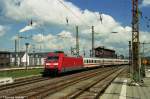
47,63
55,63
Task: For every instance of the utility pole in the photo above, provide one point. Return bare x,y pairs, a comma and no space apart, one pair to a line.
33,55
71,51
143,65
77,41
90,53
135,42
84,52
15,52
27,44
92,41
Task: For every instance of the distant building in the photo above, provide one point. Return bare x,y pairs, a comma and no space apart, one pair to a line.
33,59
4,59
102,52
19,58
37,58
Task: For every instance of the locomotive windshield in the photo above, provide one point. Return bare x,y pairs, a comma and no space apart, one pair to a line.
53,58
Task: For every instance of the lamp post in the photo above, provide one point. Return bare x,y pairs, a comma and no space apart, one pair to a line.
27,45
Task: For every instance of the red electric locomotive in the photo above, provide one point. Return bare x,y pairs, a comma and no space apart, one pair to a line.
58,62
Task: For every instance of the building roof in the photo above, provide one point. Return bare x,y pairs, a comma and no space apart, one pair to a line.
102,47
42,54
20,54
4,52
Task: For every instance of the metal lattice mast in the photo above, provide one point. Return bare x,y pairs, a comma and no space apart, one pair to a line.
77,41
92,41
135,41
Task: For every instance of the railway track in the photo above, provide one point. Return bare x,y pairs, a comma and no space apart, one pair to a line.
57,84
29,88
93,90
23,81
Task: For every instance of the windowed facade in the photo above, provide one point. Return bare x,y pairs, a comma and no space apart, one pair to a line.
4,59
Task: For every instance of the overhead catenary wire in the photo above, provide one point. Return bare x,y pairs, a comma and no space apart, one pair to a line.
77,17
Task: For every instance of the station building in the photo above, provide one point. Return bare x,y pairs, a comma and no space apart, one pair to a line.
102,52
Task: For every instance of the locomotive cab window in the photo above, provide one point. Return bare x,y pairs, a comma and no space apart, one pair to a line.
52,58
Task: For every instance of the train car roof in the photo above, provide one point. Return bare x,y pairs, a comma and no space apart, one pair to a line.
103,58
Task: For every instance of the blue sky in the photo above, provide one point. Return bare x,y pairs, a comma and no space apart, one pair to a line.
119,9
49,20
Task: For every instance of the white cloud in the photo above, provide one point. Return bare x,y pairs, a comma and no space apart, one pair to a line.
28,27
62,41
42,38
146,2
54,13
45,10
2,30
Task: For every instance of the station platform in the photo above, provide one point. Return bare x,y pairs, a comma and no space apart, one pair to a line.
121,88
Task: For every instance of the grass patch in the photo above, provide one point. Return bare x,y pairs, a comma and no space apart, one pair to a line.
20,73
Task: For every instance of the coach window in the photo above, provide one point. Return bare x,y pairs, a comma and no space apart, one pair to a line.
86,61
90,61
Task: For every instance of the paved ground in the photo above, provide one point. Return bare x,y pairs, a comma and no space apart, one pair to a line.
120,88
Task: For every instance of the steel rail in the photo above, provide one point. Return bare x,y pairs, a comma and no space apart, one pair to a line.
52,88
95,88
22,82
